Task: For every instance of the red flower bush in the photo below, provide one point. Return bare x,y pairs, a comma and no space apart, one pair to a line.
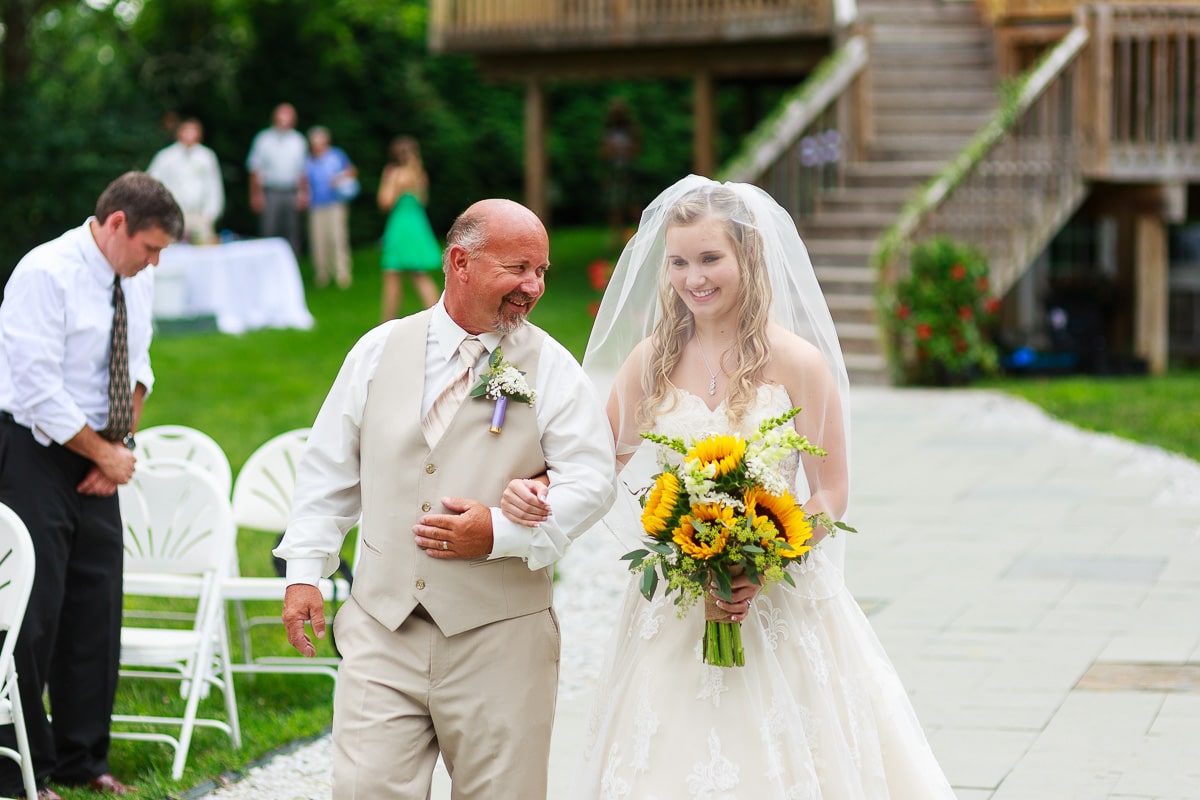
942,314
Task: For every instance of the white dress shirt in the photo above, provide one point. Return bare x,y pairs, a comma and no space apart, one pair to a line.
278,157
575,440
193,177
55,333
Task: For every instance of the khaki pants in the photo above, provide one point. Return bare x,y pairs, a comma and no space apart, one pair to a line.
484,699
329,241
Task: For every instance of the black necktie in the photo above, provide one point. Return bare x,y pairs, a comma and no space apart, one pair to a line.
120,398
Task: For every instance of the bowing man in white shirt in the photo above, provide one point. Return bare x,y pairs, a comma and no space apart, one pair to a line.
65,445
448,640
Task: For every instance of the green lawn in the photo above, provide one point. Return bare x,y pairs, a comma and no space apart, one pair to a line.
1163,411
242,390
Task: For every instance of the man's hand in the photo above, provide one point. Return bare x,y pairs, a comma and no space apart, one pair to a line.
303,603
94,483
466,532
116,463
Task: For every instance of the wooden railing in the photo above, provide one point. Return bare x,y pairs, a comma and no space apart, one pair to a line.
1013,186
801,150
1000,11
1142,107
555,24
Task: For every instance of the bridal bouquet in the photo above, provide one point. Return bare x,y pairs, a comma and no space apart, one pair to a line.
725,512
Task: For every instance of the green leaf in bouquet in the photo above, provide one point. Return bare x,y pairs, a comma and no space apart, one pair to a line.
787,576
649,583
662,548
724,583
635,558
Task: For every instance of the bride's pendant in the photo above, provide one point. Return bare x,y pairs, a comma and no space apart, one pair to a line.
712,385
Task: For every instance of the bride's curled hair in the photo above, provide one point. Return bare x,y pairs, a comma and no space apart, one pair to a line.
719,205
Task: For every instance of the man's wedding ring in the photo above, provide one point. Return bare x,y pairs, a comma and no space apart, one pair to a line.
445,545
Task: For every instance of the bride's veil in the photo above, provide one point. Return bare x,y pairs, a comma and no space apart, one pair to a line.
633,305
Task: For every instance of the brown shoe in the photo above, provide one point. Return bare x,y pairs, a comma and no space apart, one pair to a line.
107,784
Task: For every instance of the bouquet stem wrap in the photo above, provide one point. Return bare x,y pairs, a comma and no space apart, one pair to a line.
722,636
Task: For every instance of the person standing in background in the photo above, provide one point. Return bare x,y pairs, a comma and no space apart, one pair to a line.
191,172
278,187
620,144
75,329
332,183
408,241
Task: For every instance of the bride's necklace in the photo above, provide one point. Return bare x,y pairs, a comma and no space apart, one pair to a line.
712,376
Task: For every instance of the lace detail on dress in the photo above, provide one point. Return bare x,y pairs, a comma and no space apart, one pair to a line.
713,685
613,787
645,725
718,775
772,620
649,620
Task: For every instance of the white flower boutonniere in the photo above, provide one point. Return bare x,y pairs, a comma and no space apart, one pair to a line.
502,381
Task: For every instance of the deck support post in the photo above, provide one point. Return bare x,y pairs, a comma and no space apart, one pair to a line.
536,168
703,120
1150,292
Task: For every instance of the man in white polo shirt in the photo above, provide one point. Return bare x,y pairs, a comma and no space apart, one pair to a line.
278,188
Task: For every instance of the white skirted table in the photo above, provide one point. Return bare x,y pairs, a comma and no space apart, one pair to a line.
245,285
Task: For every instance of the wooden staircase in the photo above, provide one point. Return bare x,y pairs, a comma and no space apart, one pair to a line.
932,85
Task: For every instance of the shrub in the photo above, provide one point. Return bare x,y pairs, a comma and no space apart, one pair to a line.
942,314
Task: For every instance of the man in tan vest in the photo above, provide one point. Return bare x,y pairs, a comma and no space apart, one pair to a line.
449,641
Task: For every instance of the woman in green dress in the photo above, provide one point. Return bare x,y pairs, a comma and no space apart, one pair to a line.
408,242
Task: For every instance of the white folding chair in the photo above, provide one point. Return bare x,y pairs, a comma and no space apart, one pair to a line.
262,501
16,581
179,536
182,443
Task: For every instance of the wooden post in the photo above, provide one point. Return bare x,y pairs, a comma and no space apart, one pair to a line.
1150,292
703,119
535,150
1101,44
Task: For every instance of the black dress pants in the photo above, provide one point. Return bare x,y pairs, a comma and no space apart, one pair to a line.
70,640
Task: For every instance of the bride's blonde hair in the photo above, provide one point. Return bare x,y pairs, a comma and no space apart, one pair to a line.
722,206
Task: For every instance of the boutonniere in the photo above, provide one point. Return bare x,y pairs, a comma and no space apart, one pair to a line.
501,382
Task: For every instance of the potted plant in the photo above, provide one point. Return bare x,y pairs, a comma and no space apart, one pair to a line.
942,314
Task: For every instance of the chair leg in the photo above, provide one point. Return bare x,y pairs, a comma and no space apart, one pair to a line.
243,626
231,709
18,715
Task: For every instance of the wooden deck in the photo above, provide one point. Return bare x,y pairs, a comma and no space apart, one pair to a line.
508,26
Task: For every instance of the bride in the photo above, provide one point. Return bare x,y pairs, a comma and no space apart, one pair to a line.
714,322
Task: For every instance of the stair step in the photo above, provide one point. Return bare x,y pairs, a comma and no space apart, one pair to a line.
891,174
888,201
902,76
918,122
844,272
856,308
909,99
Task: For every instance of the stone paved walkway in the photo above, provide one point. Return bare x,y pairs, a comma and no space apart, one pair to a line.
1037,587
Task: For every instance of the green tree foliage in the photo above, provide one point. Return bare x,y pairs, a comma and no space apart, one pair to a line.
102,75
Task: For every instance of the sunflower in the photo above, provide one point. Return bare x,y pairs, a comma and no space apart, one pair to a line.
661,504
702,533
778,517
726,452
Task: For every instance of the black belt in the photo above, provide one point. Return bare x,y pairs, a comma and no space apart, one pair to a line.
7,417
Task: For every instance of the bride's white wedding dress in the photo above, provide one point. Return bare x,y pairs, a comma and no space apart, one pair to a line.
818,710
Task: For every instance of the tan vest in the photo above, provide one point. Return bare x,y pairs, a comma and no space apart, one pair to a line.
403,479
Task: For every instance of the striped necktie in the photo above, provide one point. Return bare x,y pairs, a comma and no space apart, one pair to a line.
447,403
120,398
